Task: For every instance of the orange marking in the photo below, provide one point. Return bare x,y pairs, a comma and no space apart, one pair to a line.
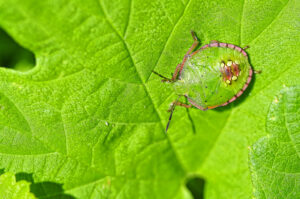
212,107
195,52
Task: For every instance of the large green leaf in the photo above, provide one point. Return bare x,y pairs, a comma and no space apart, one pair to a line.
10,189
91,115
275,159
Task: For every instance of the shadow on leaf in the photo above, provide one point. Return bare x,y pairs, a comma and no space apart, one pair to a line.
14,56
196,186
45,189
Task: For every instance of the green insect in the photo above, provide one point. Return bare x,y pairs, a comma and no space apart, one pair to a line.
212,76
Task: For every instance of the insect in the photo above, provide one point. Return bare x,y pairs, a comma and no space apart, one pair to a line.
212,76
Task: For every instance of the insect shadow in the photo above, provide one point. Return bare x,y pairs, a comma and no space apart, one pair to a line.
44,189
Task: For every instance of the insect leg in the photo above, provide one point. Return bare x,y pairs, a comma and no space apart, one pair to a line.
186,56
194,36
194,45
177,103
257,71
172,108
174,77
165,79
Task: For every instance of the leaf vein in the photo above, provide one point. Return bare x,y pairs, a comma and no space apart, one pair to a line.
242,17
275,18
128,18
168,40
288,131
145,87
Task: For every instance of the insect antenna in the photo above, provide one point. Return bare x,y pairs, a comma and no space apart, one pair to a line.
165,79
172,110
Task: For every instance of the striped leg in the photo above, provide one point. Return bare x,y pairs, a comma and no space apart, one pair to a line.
179,67
177,103
172,108
194,45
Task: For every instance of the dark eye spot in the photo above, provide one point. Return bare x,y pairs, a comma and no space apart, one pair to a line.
205,86
205,101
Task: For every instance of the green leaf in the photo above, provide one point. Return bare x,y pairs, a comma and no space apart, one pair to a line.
275,159
91,115
10,189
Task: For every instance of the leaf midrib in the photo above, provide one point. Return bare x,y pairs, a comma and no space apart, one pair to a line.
145,87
